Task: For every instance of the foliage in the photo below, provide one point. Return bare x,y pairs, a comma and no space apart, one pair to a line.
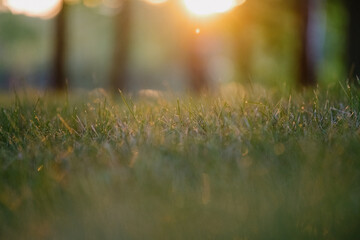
248,164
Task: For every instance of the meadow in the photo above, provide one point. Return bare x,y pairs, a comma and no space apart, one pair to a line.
243,163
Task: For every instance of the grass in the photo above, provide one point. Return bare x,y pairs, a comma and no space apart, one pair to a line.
242,164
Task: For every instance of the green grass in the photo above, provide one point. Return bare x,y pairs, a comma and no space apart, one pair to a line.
244,164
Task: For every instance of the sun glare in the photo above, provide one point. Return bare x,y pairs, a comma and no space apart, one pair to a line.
155,1
207,7
34,8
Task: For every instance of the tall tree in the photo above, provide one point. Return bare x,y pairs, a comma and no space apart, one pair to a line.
60,37
119,70
311,40
353,44
190,33
307,71
194,60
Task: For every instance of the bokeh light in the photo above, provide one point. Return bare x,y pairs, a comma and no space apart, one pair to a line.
34,8
207,7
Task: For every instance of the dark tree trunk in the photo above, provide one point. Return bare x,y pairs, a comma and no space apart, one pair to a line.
195,65
312,34
190,46
306,75
119,71
58,75
353,44
195,62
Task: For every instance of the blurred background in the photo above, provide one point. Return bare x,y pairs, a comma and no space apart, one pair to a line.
176,45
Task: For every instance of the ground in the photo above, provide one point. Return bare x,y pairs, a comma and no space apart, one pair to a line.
244,163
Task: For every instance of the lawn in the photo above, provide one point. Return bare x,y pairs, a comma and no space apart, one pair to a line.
243,163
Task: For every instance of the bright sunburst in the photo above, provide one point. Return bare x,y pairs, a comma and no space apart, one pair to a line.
207,7
34,8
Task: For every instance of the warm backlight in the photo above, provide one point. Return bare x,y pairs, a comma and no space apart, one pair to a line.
34,8
155,1
207,7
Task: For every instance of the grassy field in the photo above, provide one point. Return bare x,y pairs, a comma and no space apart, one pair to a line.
241,164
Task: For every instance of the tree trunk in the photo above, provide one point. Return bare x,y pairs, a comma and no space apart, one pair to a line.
306,75
195,62
119,71
312,35
353,43
59,77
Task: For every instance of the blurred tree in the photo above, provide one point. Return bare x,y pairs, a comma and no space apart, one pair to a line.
60,36
194,60
307,71
312,32
353,32
119,68
190,30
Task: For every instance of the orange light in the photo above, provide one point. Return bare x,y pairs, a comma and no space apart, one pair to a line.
197,31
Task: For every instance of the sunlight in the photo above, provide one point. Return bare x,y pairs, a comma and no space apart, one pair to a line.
207,7
34,8
155,1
